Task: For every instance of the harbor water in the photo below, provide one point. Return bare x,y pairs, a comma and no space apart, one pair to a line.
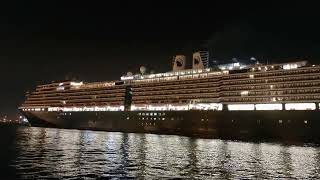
48,153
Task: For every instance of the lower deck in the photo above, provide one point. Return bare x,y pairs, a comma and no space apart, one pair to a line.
287,125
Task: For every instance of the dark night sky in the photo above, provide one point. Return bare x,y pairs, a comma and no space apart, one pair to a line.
41,41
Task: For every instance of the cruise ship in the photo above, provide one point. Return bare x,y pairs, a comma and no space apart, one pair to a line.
231,101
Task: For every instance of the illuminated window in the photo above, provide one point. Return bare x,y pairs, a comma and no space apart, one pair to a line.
268,106
60,88
306,121
237,107
280,121
300,106
290,66
244,93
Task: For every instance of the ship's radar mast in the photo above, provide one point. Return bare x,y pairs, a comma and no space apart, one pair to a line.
143,70
129,74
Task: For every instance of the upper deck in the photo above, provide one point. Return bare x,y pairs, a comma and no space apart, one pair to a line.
229,71
234,84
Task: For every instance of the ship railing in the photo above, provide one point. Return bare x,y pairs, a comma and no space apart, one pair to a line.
268,83
305,70
281,99
186,96
152,93
180,82
268,88
185,86
54,90
272,79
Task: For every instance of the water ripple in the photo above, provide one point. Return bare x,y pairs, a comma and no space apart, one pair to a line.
40,153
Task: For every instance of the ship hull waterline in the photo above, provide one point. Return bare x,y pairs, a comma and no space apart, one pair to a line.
295,125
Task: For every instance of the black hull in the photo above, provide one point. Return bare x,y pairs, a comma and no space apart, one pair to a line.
275,125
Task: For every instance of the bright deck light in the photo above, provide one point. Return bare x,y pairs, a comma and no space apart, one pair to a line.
268,106
300,106
240,107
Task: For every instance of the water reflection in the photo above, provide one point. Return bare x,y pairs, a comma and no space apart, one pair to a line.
57,153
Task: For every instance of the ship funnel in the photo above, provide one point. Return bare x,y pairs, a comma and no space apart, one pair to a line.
200,60
179,62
